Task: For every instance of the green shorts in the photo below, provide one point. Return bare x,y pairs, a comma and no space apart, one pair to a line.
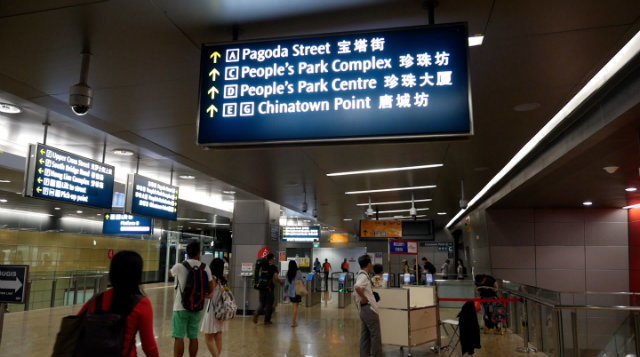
185,322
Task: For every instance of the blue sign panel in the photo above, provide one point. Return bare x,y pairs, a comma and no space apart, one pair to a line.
61,176
151,198
119,223
392,84
301,233
397,246
13,279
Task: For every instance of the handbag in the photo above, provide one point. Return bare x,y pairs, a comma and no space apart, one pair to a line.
300,289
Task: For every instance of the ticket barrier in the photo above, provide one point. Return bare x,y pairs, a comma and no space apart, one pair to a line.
349,281
313,295
344,295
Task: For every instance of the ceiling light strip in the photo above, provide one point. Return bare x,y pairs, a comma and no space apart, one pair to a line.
390,189
403,210
605,74
393,202
393,169
637,205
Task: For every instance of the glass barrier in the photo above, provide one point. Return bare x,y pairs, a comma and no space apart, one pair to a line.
574,324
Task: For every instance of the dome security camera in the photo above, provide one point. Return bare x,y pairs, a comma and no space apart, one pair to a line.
80,98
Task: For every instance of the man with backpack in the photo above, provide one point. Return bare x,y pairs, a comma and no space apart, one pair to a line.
193,285
265,275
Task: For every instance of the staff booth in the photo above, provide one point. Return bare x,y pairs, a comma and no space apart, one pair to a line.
408,316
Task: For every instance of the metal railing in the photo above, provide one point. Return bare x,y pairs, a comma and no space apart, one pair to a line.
52,291
574,324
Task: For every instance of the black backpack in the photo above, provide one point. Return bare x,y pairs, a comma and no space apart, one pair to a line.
195,288
97,334
261,274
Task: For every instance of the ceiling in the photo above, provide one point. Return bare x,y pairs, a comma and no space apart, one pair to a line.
145,71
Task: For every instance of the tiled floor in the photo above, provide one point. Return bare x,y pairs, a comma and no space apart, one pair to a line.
323,330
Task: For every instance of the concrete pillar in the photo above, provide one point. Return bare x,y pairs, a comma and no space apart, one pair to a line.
252,221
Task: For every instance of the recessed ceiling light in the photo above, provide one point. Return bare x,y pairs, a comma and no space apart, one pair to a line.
402,217
98,214
348,219
390,189
57,208
229,192
476,40
2,200
526,107
187,177
123,152
4,181
9,108
587,203
632,206
392,169
393,202
441,213
79,212
611,169
631,189
402,210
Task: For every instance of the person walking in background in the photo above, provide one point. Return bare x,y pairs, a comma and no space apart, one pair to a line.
444,269
377,281
460,269
370,337
345,266
267,297
211,326
225,274
183,321
428,267
326,267
125,297
404,266
317,266
293,275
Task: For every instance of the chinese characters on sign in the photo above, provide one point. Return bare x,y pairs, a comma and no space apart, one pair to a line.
58,175
151,198
409,82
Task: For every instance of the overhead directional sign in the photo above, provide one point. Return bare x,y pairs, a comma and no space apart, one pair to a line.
388,84
121,223
62,176
151,198
301,233
13,279
398,246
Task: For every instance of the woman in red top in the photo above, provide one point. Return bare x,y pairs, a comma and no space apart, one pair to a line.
125,275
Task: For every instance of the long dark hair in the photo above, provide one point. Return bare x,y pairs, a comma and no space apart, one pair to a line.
125,274
293,270
217,269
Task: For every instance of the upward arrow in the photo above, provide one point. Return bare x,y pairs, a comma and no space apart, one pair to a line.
212,109
213,74
14,285
213,91
106,216
214,56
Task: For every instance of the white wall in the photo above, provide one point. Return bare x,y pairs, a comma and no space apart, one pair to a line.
336,257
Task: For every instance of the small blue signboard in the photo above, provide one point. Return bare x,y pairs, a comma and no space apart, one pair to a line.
121,223
151,198
61,176
397,246
378,85
13,279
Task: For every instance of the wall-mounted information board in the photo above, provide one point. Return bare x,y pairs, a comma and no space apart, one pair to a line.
381,229
387,84
121,223
151,198
62,176
301,233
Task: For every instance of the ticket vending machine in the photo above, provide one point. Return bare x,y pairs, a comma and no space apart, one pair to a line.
344,297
